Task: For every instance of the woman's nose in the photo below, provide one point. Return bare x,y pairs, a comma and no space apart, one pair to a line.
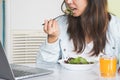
69,1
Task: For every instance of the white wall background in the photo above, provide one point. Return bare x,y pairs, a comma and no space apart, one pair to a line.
29,14
114,7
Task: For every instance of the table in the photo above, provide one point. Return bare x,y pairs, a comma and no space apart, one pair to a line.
60,73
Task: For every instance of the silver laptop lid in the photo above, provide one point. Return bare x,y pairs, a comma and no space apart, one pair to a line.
5,70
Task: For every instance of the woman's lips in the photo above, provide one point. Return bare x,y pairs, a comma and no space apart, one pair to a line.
74,10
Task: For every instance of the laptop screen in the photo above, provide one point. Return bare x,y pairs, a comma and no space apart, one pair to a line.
5,70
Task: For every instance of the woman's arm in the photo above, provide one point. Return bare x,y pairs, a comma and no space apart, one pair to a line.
49,52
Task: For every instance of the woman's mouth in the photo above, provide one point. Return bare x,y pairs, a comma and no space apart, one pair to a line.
73,9
70,10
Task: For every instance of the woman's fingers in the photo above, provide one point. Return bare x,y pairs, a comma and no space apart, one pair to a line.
45,26
56,26
50,27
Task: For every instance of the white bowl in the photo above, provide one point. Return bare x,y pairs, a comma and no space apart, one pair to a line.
77,66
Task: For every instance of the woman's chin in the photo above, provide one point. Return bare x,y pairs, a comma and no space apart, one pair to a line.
75,15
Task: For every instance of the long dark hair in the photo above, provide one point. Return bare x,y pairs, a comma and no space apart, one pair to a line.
92,23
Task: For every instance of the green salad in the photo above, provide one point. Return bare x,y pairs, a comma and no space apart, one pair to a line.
77,60
68,11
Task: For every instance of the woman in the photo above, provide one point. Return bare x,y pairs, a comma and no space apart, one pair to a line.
89,31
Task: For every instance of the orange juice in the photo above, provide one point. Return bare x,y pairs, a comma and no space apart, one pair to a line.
108,65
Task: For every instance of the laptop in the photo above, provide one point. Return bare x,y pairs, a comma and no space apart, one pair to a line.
18,72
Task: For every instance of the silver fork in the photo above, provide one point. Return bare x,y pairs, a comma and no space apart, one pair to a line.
54,18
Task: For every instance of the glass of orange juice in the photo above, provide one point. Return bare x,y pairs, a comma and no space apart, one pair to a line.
108,65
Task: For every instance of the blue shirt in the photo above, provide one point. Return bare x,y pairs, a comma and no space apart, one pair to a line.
63,47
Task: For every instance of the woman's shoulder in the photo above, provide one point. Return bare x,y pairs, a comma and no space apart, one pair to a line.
114,25
114,20
62,19
63,25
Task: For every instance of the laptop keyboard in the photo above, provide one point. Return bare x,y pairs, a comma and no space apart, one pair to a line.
18,73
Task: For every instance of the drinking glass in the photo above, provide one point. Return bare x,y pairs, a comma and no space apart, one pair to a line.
108,65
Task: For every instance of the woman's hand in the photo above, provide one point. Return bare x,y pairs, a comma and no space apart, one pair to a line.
52,29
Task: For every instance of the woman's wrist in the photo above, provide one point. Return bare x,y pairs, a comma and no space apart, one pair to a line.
52,39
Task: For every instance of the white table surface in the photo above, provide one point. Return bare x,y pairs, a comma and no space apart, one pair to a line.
60,73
